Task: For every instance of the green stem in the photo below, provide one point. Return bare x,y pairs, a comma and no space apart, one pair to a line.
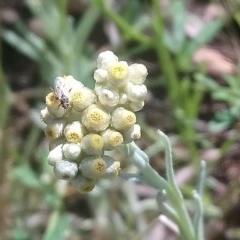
4,98
132,32
164,57
176,200
85,27
30,143
202,177
168,162
198,219
5,155
62,4
173,193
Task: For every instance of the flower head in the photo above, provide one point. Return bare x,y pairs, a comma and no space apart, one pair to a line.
54,105
105,59
137,73
65,169
96,118
112,139
82,98
54,130
55,155
73,132
118,74
92,144
82,123
122,119
93,167
71,151
107,96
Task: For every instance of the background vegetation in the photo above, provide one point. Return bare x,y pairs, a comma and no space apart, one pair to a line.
191,50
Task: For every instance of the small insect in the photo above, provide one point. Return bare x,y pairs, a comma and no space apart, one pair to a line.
62,92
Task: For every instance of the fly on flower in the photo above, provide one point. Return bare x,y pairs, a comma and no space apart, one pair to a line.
62,92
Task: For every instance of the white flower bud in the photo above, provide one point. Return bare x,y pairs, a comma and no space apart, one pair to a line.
92,144
46,116
73,132
95,118
71,83
55,155
105,59
136,106
136,92
84,185
118,74
112,166
93,167
54,130
71,151
82,98
107,96
122,119
137,73
65,169
123,98
100,76
132,134
111,139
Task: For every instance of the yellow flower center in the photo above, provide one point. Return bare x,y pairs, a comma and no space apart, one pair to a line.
51,133
116,139
99,167
73,137
79,97
96,117
118,71
129,119
51,99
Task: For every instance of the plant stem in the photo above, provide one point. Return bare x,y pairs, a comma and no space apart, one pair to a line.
132,32
5,157
176,200
173,193
163,54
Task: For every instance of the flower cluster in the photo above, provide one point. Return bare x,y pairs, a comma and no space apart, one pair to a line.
83,123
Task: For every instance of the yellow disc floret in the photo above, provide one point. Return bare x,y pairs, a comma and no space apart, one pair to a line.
115,139
82,98
73,137
73,132
92,144
93,167
54,131
51,133
112,139
122,119
54,106
95,118
118,73
51,99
